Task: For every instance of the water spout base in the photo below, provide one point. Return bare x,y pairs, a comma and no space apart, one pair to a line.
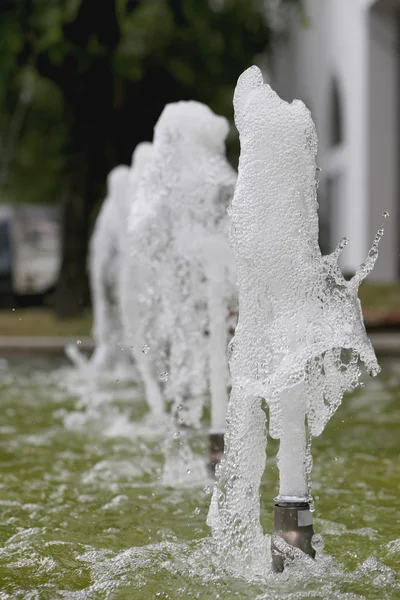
293,523
216,451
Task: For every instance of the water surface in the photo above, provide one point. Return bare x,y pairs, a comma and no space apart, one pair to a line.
85,512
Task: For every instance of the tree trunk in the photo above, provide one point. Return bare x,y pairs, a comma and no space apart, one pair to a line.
85,171
90,153
71,292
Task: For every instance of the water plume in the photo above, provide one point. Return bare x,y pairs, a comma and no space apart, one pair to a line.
300,334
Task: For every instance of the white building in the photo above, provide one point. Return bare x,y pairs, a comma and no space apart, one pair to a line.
344,64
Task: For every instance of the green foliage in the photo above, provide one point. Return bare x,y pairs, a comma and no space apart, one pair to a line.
37,160
145,31
196,51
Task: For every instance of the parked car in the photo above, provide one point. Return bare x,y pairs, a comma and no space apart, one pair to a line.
6,282
30,251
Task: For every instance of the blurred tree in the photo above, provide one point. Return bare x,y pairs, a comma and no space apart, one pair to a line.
99,73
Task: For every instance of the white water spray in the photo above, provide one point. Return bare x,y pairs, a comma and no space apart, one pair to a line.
300,333
104,266
183,290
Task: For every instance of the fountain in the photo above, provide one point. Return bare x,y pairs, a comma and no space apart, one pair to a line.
300,333
109,271
87,510
127,287
183,267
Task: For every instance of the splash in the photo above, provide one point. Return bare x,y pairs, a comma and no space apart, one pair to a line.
300,334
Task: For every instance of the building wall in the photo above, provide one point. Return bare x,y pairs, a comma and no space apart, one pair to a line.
383,106
336,46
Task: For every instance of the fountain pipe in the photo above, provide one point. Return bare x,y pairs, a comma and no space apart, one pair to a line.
293,523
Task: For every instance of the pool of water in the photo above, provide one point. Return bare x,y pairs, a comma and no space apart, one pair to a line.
87,511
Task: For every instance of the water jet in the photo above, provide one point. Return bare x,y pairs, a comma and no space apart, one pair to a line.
183,267
300,335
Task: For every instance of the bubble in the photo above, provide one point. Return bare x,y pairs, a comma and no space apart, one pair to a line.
145,349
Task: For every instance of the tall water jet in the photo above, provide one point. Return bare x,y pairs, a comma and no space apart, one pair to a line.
128,285
178,219
110,277
300,333
104,267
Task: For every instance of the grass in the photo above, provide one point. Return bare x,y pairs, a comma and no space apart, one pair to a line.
32,322
376,299
380,297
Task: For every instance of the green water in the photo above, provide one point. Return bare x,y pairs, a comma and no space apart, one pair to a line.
84,512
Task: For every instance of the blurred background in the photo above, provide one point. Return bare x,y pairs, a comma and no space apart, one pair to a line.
83,81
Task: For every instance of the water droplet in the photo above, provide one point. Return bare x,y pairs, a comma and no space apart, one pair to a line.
207,489
317,542
177,434
163,375
117,380
145,349
197,510
188,471
318,169
179,407
385,214
13,309
79,342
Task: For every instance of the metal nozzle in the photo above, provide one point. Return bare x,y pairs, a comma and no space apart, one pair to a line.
216,450
294,524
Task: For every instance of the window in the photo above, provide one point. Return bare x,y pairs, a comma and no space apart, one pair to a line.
336,114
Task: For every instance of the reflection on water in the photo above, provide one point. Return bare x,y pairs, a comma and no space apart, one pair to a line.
86,511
